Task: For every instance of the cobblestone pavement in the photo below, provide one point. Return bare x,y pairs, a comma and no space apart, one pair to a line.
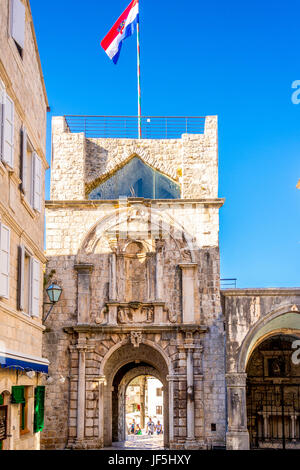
140,443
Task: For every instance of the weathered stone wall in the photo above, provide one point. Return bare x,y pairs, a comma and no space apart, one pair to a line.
80,164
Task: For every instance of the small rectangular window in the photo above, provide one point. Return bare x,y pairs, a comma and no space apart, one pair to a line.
159,410
159,392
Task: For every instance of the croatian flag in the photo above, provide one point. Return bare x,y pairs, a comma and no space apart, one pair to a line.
122,29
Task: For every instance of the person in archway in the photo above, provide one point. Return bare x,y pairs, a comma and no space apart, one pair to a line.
138,430
150,427
132,427
159,429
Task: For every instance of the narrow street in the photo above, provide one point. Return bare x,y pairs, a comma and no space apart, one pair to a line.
140,443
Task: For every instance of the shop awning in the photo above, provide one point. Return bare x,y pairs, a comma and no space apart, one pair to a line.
19,361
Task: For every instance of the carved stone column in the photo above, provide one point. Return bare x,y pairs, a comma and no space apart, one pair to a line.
122,413
113,270
84,291
142,400
188,292
171,379
159,276
81,391
237,436
102,384
189,347
190,406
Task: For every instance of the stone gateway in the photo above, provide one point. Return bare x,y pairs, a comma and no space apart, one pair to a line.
132,238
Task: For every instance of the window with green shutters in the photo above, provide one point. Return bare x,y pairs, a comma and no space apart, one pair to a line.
18,394
39,400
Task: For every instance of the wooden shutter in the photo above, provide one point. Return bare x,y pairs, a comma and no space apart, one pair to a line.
37,182
2,98
35,288
4,260
23,159
18,394
18,22
8,131
39,405
21,261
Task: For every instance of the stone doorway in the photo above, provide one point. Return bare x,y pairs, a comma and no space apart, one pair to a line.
273,394
141,400
125,364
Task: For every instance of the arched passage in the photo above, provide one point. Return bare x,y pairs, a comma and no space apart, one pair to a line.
120,367
283,322
273,393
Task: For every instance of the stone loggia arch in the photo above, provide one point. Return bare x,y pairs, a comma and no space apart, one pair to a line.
286,320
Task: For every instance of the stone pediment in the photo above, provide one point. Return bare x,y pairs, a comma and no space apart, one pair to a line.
135,313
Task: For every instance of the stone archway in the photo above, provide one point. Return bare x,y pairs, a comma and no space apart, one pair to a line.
284,321
134,372
273,393
119,368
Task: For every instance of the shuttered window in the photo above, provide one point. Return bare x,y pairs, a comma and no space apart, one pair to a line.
35,288
4,260
17,16
21,274
23,159
37,182
18,394
28,283
8,131
39,405
2,101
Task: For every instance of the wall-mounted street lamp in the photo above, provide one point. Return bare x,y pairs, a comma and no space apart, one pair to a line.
54,292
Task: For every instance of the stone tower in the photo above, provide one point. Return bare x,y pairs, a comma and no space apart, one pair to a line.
132,238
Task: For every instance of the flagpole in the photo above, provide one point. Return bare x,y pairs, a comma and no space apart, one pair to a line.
139,77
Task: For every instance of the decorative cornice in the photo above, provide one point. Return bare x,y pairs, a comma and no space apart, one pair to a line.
131,201
271,291
127,329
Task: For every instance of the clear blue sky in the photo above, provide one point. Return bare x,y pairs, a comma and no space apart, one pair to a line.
231,58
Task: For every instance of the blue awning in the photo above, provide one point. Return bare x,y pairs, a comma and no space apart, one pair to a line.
9,360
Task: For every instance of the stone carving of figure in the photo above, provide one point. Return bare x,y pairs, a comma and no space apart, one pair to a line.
125,315
102,316
148,314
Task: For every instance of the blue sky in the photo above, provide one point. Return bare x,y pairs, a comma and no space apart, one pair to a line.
231,58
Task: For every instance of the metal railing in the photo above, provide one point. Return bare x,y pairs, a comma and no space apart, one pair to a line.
152,127
229,283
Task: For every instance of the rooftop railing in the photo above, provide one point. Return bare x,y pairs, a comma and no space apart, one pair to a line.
152,127
229,283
